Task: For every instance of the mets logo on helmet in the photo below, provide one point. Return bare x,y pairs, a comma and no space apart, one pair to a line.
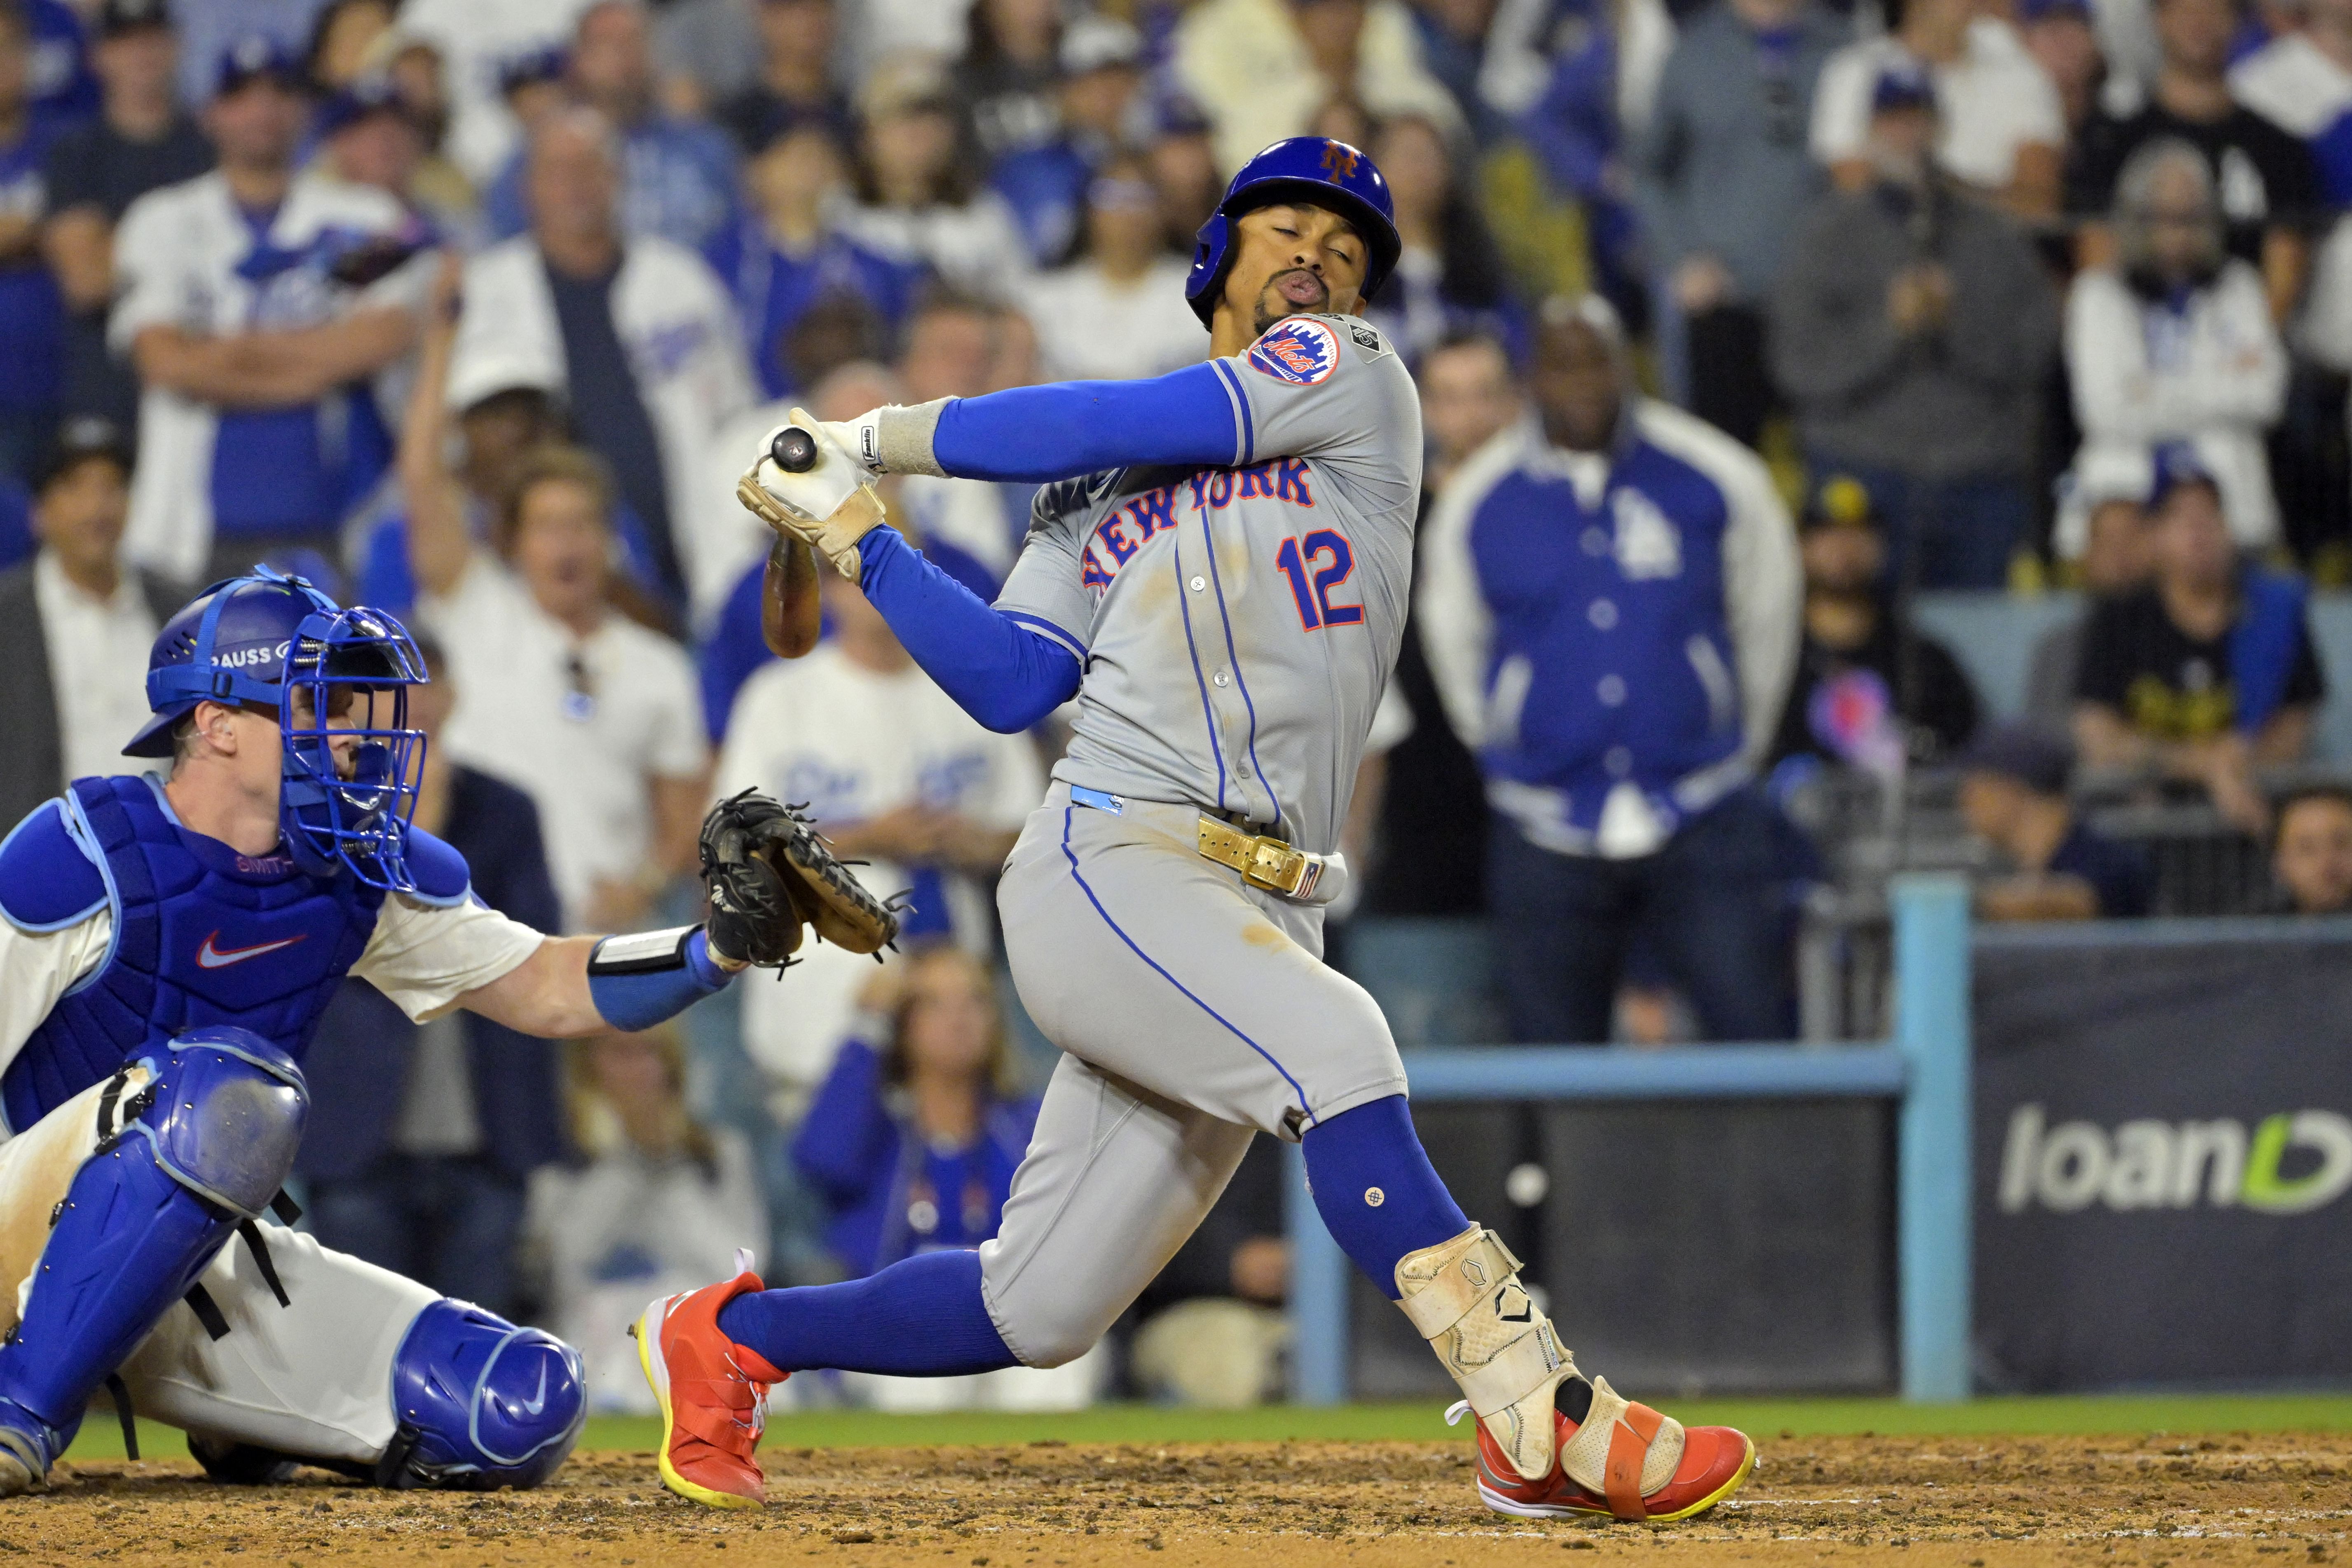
1301,351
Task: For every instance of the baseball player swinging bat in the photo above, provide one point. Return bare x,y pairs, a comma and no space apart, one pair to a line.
1217,571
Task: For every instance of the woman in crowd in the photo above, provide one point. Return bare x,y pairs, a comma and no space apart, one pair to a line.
2174,342
662,1202
917,199
913,1140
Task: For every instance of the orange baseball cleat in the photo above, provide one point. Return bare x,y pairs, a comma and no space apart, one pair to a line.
713,1394
1702,1465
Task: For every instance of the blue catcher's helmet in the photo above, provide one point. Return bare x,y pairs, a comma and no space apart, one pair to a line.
1314,168
275,643
480,1403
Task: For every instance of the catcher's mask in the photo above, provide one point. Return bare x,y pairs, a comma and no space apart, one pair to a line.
274,642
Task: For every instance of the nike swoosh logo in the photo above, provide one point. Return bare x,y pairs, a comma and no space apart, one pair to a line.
211,957
538,1402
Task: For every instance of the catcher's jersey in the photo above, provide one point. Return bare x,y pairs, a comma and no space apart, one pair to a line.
1237,624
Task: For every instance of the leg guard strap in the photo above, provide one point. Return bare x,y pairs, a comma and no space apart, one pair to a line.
1465,1298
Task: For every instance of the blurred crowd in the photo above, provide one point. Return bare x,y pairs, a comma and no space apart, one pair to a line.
1739,324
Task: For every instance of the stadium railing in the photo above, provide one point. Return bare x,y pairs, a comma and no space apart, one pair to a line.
1925,1069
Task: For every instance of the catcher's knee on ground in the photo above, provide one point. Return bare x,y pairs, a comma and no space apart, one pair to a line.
362,1372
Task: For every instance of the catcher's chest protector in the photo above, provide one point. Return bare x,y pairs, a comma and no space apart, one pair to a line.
202,935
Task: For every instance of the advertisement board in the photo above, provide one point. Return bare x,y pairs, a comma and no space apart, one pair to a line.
2164,1156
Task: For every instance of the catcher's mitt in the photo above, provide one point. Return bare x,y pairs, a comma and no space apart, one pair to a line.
768,872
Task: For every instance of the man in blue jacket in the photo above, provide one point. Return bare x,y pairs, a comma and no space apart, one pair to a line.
1610,600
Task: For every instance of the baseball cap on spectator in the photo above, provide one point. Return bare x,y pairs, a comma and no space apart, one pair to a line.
369,96
258,58
1094,43
79,440
476,378
2031,11
2035,758
1839,501
1904,84
118,18
530,67
905,84
2175,464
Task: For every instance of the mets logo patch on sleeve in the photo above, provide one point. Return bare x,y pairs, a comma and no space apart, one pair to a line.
1301,351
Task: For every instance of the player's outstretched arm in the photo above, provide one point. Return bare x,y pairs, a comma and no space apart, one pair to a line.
1191,418
546,994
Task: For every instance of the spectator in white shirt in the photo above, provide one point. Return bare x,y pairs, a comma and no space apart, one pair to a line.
895,772
257,304
76,625
916,198
1117,312
2004,130
641,339
2174,342
664,1201
2302,79
591,714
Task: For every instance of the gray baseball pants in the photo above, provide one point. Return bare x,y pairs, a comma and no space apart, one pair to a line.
1193,1011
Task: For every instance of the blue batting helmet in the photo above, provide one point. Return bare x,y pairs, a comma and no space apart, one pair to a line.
266,640
1312,169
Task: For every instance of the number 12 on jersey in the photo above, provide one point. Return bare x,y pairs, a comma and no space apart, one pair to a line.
1314,565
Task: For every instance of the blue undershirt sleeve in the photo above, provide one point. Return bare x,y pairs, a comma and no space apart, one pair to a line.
1190,418
998,670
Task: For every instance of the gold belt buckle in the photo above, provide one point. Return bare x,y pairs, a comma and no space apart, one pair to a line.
1263,862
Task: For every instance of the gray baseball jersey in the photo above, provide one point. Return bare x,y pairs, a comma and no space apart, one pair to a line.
1238,624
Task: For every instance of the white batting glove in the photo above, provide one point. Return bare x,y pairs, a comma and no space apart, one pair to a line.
861,438
831,504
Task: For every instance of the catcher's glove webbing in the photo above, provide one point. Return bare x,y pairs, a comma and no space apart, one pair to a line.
768,873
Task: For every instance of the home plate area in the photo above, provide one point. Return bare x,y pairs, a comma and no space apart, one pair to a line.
2277,1497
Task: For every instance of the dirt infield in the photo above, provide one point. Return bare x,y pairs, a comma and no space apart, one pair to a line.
2272,1499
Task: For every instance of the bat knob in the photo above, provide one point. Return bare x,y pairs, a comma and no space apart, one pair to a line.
794,450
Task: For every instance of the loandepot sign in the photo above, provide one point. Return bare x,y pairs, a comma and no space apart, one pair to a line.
2177,1165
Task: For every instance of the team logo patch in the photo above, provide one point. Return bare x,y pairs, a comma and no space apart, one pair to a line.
1301,351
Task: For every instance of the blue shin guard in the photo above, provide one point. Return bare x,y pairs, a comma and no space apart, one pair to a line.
200,1151
1375,1188
921,1316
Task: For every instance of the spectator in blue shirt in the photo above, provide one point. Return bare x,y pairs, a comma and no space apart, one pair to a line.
677,176
2013,781
914,1136
784,257
1610,602
32,313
